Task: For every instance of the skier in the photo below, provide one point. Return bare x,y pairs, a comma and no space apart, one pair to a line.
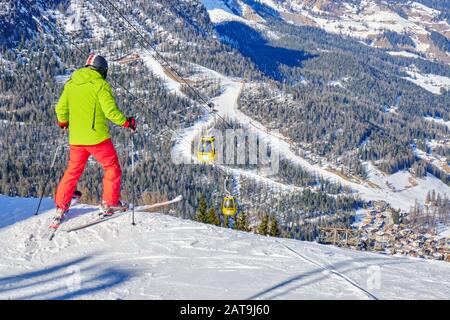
84,107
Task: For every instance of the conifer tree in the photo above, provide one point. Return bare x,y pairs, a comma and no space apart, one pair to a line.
201,215
264,226
274,228
212,217
242,222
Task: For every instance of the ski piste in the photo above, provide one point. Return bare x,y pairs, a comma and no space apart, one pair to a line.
119,214
54,227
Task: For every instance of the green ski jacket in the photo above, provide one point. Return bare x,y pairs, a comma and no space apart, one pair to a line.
87,103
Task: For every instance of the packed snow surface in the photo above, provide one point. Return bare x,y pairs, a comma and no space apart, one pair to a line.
16,208
165,257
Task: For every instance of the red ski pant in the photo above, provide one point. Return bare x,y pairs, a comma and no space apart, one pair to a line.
104,153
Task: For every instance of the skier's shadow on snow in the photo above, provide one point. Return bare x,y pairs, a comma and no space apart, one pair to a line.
69,280
78,212
319,274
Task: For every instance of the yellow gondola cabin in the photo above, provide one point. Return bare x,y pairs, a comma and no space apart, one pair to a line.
229,206
206,150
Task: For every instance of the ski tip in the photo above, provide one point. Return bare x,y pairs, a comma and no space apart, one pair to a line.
179,198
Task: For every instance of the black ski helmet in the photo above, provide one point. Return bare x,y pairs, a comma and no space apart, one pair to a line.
98,63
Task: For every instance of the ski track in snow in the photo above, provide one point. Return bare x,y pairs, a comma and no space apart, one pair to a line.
334,272
164,257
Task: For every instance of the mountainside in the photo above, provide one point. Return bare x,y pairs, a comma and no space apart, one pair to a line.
164,257
420,27
352,95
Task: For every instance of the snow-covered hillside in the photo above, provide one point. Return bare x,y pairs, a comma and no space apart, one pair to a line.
20,208
431,82
164,257
366,20
438,120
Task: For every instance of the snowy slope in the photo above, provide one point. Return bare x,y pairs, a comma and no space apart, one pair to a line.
220,12
438,120
404,54
431,82
16,208
168,258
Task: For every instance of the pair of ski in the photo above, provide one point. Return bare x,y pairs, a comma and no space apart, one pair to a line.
102,218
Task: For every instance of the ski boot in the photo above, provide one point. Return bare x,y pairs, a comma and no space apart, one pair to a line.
60,213
107,211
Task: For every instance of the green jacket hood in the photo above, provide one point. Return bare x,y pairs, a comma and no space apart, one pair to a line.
84,75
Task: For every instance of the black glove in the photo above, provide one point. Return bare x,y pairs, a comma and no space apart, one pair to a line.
130,123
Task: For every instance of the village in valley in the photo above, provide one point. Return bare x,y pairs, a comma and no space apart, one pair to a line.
382,229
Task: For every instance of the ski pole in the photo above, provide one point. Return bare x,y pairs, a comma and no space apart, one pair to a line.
132,177
48,176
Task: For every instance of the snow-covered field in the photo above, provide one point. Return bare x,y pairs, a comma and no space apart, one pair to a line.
164,257
405,54
433,158
401,189
219,12
438,120
431,82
